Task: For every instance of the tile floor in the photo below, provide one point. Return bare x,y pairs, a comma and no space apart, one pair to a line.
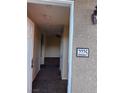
49,80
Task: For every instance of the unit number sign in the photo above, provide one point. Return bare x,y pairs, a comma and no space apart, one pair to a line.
82,52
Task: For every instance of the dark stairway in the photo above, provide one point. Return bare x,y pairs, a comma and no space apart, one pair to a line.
48,79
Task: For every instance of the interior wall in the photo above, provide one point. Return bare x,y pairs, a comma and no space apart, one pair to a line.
52,46
42,55
30,43
36,54
84,72
64,53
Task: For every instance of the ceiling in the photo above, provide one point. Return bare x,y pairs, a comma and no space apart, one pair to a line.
49,18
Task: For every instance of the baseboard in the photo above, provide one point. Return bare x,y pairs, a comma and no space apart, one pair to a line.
36,75
64,77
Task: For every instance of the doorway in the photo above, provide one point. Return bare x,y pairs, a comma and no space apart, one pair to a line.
63,4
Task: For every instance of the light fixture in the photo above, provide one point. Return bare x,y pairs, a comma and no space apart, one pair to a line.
94,16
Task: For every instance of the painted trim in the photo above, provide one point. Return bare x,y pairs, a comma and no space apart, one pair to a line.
70,4
71,31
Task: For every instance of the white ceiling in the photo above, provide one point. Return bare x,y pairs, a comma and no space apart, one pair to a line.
48,17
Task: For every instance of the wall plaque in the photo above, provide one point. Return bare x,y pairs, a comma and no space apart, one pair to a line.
82,52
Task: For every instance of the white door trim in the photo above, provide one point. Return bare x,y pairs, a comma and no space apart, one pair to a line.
71,31
65,3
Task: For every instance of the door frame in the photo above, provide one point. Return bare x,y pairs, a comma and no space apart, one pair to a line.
70,4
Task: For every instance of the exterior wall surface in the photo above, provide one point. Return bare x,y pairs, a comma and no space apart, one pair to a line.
84,72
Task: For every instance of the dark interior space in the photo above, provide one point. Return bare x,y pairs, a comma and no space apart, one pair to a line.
49,79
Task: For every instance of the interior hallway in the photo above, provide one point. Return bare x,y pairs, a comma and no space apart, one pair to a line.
48,79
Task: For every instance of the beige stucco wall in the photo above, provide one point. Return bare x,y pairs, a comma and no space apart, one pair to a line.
36,52
84,72
64,53
52,46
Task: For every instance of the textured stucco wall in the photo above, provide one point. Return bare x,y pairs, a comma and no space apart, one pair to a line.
64,53
84,78
36,52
